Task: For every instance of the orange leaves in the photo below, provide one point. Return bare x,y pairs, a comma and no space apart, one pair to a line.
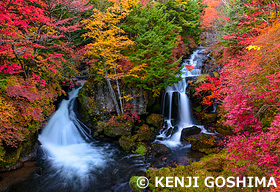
209,90
189,67
7,111
23,106
210,13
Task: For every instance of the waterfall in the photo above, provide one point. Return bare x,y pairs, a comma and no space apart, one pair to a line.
184,119
71,160
65,143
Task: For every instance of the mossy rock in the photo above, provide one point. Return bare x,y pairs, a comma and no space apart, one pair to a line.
141,149
203,143
99,128
213,165
158,149
189,131
155,120
133,184
209,117
145,133
95,102
11,157
127,142
117,126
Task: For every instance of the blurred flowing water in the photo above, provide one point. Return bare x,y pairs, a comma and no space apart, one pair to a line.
72,161
176,106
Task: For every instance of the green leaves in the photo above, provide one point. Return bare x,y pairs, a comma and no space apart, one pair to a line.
155,36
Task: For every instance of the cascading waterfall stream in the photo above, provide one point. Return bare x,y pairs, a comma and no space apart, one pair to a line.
65,143
184,110
73,161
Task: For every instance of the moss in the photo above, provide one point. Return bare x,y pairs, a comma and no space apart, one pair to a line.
155,120
209,117
212,165
216,74
2,153
203,143
224,130
116,126
141,149
133,184
127,142
11,157
201,78
145,133
197,109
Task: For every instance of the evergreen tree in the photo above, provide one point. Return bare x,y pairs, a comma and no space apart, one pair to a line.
155,36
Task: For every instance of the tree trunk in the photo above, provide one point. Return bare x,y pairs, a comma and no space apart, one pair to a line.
111,90
119,92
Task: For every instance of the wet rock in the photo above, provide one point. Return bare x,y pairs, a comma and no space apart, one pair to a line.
39,170
95,99
159,149
187,132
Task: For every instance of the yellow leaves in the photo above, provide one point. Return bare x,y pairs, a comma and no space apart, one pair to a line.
6,110
253,47
126,97
139,69
184,2
108,37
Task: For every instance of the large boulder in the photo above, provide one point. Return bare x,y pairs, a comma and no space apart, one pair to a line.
189,131
96,103
117,126
158,149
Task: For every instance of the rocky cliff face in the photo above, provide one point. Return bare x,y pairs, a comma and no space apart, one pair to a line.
96,103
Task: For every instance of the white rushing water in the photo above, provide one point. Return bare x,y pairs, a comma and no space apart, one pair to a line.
64,141
184,110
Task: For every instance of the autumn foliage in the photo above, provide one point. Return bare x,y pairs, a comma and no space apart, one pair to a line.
37,55
248,85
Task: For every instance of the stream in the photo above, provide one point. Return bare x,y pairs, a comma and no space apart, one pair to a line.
70,160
